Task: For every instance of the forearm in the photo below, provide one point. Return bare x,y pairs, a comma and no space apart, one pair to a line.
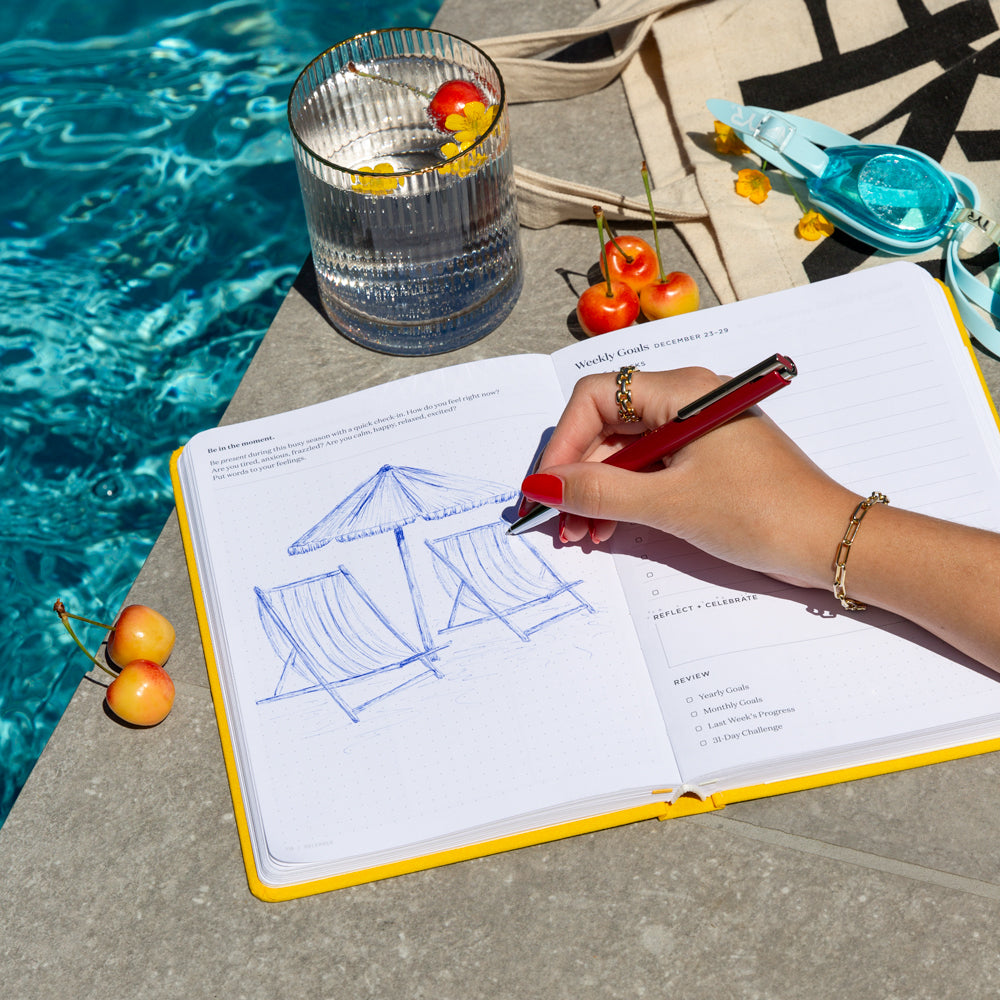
747,494
944,577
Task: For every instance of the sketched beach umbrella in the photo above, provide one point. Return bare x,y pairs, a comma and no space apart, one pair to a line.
394,497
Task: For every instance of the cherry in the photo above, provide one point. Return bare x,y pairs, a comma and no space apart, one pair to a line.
670,294
140,633
450,99
142,694
601,309
632,260
609,305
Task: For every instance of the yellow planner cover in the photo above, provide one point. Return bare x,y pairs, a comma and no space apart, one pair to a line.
707,701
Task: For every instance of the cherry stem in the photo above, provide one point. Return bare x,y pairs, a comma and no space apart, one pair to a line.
614,242
64,616
599,215
652,215
353,68
80,618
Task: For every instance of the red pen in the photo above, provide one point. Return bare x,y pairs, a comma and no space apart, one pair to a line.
693,421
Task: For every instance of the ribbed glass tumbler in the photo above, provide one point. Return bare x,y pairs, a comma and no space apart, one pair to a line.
412,219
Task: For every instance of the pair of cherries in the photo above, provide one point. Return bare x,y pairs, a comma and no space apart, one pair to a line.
139,643
634,281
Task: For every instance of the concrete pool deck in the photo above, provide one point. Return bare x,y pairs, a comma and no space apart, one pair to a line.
120,870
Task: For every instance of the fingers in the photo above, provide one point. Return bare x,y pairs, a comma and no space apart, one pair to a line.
591,427
593,497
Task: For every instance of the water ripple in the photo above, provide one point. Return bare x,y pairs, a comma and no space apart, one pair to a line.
150,224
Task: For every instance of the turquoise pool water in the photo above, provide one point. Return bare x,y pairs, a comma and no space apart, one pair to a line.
150,224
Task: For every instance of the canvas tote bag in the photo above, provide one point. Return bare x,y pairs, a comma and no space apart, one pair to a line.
920,73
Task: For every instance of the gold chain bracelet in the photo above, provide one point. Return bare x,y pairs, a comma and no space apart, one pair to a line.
844,550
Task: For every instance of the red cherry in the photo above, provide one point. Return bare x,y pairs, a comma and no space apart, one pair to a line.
610,305
450,99
632,260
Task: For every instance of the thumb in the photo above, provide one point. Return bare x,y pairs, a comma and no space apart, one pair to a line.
595,491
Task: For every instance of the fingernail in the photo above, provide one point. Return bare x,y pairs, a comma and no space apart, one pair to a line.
543,488
592,529
562,530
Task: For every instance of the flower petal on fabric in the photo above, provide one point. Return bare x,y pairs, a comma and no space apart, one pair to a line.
728,141
753,184
813,226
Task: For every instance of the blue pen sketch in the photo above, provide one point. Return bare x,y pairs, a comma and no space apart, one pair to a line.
491,575
392,498
332,637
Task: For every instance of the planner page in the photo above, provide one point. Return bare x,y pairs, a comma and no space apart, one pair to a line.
400,675
758,680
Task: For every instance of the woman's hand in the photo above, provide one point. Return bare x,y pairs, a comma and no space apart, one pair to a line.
744,492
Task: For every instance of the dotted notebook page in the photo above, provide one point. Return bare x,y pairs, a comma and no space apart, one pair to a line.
749,671
397,670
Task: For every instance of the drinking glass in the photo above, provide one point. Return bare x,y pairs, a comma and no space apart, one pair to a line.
413,223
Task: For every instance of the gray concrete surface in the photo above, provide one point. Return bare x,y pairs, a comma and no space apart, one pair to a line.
120,872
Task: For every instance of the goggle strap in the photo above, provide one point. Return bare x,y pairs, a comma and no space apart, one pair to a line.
968,292
788,142
978,220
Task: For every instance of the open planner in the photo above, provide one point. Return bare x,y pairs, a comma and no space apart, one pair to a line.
400,684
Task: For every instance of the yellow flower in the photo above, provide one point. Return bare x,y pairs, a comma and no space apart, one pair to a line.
372,181
752,184
457,164
473,122
727,141
813,226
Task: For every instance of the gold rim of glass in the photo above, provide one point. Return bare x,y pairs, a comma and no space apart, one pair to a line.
501,103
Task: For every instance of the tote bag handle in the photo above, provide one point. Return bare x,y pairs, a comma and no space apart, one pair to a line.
544,200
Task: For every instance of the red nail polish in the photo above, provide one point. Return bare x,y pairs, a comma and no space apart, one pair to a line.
562,530
592,531
543,488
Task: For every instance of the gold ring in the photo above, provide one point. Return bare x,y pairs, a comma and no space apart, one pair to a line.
623,397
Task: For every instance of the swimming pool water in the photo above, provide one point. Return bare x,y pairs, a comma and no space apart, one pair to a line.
150,224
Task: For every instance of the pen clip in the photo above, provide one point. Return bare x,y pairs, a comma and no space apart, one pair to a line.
779,363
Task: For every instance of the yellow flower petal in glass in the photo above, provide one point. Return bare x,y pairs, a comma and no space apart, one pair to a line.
813,226
753,184
458,164
372,180
474,122
727,141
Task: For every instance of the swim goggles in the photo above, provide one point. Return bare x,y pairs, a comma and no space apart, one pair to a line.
897,200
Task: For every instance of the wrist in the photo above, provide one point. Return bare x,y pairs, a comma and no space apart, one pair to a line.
843,554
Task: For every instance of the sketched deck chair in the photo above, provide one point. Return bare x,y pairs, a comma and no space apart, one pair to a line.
491,575
331,637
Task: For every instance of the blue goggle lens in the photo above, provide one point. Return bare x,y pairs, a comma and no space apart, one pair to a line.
898,194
